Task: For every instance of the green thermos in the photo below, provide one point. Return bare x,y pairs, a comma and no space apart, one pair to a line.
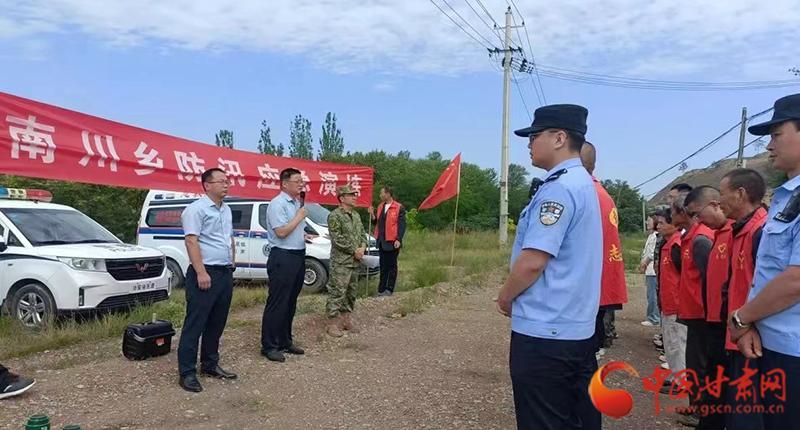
38,422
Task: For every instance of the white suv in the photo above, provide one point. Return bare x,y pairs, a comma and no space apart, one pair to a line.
58,260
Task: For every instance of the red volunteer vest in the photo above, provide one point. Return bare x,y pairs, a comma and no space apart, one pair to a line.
690,290
392,217
668,277
613,290
717,273
742,266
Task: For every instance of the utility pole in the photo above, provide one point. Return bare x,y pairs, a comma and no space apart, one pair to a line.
504,144
740,157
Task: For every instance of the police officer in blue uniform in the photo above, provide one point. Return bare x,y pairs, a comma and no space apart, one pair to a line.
553,291
767,327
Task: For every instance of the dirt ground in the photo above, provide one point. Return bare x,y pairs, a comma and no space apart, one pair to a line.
445,368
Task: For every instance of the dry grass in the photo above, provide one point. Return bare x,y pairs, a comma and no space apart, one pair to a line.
424,262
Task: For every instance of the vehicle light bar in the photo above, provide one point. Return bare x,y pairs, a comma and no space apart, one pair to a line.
25,194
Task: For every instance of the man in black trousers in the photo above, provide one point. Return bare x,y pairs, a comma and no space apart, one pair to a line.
390,227
286,219
208,227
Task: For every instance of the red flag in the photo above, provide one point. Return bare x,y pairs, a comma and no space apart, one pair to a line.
446,187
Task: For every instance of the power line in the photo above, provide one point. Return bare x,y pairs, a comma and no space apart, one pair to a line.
652,84
758,139
530,49
519,36
484,21
489,42
702,148
514,78
459,25
480,3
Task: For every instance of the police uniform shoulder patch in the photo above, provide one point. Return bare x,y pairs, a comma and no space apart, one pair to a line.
550,212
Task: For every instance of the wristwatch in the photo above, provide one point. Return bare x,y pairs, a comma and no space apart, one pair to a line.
737,322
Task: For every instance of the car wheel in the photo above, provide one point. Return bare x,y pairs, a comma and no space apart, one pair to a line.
316,276
175,274
33,305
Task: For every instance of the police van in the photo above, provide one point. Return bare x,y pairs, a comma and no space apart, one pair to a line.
160,228
55,260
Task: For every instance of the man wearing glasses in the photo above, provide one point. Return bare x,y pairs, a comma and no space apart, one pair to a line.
695,249
208,227
552,306
705,206
286,219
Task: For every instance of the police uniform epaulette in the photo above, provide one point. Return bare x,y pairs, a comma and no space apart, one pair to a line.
556,175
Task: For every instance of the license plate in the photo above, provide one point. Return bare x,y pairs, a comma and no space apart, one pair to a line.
144,286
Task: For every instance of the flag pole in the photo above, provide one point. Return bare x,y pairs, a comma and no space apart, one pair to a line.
455,218
369,231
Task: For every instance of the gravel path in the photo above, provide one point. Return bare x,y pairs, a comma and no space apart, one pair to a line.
445,368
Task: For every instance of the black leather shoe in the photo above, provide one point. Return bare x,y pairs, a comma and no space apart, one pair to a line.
220,373
296,350
190,383
274,355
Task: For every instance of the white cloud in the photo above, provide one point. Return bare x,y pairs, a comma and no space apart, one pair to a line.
718,40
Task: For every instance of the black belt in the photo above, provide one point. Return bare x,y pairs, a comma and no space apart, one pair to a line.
219,266
300,252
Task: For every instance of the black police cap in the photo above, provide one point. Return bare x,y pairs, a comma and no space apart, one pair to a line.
565,117
786,109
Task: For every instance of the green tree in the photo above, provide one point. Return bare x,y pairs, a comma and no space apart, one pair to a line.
224,139
265,145
629,204
331,144
300,141
434,156
518,186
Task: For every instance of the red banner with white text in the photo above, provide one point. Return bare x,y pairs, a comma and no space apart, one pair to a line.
45,141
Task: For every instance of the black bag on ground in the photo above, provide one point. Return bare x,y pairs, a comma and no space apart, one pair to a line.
150,339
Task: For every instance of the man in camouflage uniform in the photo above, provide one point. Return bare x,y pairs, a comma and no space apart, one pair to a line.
348,243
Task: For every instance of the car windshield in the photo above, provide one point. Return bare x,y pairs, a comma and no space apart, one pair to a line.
318,214
57,226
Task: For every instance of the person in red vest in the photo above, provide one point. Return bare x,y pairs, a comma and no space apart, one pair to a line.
613,291
673,192
669,277
706,208
695,250
390,227
741,192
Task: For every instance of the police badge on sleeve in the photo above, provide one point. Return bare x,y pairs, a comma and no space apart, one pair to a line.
550,212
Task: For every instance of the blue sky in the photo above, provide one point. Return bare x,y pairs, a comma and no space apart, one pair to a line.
400,75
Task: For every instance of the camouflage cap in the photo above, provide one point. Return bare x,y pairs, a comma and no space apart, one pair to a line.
346,189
